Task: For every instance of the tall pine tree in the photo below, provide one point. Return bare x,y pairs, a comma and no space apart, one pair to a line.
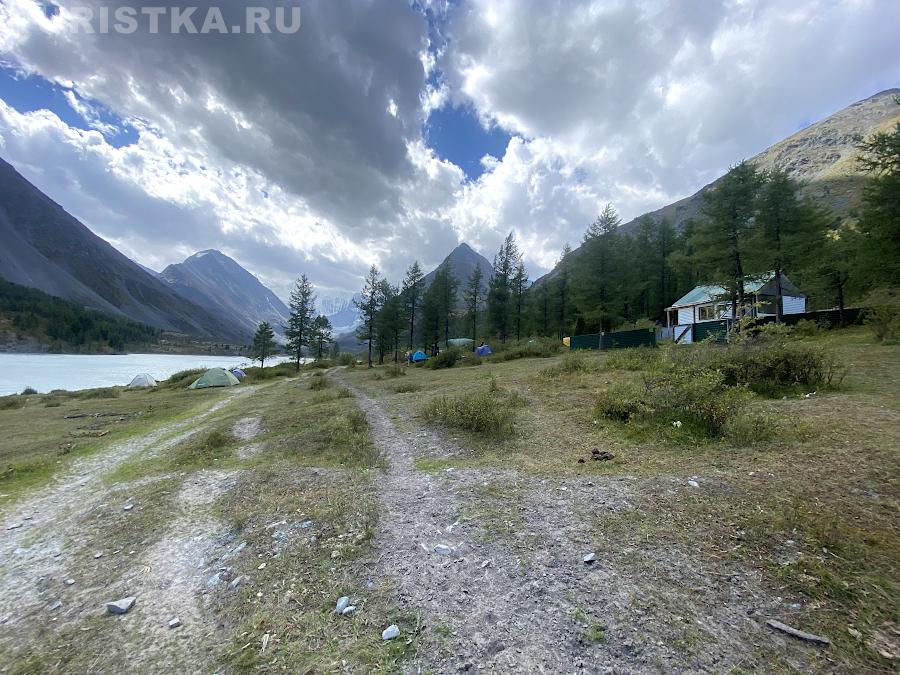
412,295
368,305
472,298
300,321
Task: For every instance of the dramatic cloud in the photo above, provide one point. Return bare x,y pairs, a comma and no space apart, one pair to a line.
306,152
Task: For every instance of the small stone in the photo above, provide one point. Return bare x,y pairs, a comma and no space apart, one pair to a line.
70,582
590,558
237,581
305,525
98,554
214,579
3,620
487,563
443,549
175,622
390,632
349,610
693,483
14,526
56,605
342,604
120,606
128,507
261,566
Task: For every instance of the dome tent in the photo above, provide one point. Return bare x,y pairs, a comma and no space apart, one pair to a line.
238,373
215,377
484,350
142,380
418,357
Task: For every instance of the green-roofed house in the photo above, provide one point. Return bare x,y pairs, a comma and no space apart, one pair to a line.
713,303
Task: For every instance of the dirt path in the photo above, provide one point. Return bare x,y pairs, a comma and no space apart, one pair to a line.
35,554
513,593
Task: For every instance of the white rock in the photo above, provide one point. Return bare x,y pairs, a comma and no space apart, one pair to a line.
98,554
590,558
349,610
70,582
443,549
693,483
175,622
342,604
128,507
237,581
390,632
14,526
56,605
261,566
121,606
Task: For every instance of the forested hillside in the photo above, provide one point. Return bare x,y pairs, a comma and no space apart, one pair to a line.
61,325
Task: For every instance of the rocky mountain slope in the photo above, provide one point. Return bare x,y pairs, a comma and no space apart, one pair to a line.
822,156
214,281
462,261
46,248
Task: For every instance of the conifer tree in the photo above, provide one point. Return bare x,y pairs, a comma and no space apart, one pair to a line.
412,295
300,321
263,343
368,305
322,337
472,298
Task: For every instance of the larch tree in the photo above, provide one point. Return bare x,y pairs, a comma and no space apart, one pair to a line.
263,343
298,331
322,335
369,303
519,286
472,298
412,287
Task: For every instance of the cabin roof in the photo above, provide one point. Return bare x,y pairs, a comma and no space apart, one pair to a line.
759,284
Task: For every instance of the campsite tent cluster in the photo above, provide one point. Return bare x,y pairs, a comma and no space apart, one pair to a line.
214,377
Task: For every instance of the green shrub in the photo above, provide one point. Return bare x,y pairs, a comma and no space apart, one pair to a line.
572,363
109,392
541,348
882,315
807,329
348,434
490,413
445,359
183,378
318,382
346,359
637,358
406,387
11,402
29,391
343,392
697,399
394,370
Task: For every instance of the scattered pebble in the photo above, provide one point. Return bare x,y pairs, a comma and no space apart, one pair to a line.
56,605
390,632
120,606
348,610
175,622
443,549
214,579
98,554
342,604
70,582
590,558
487,563
14,526
128,507
261,566
237,581
693,483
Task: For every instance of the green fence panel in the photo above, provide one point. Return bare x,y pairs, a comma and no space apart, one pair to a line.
642,337
718,330
584,342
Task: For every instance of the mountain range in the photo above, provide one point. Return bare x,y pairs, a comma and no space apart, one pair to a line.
822,156
213,280
46,248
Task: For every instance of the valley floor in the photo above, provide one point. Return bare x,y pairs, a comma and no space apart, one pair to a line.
246,514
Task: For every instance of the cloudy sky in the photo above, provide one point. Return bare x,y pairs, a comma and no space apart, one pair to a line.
384,131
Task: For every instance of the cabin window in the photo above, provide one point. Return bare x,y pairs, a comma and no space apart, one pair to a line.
706,313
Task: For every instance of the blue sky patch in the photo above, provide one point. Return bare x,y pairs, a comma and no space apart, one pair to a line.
456,135
27,93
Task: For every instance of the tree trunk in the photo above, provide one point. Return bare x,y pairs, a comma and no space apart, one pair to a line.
779,299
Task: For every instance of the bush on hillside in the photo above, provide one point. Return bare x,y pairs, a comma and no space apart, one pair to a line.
445,359
183,377
11,402
696,399
882,315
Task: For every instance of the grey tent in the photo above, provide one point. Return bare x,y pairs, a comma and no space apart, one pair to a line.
142,380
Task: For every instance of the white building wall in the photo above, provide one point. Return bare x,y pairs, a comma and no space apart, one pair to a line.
793,305
685,315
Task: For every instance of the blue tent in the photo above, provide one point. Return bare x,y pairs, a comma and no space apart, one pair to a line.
484,350
418,357
238,373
